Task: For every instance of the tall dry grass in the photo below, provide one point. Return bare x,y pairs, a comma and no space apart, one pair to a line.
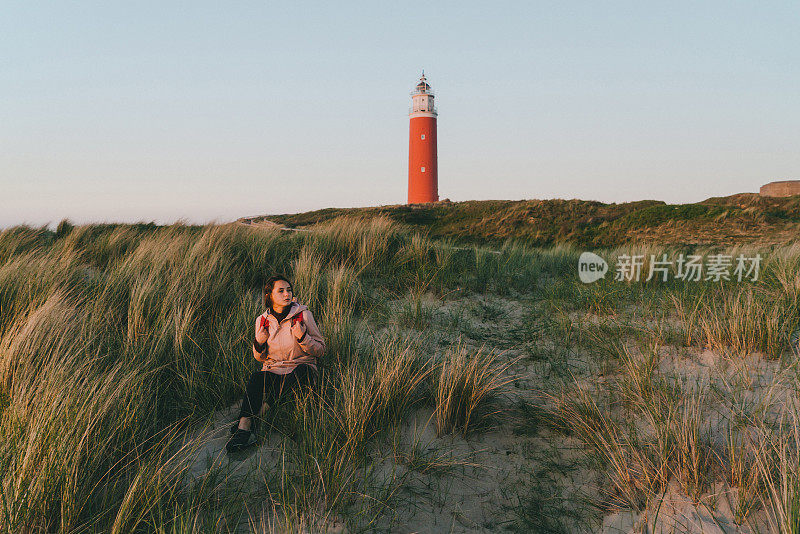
650,428
646,428
778,464
751,316
115,338
469,382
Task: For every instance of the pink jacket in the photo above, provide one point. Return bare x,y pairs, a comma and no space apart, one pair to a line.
284,352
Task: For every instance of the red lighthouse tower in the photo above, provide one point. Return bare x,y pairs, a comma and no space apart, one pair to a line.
423,168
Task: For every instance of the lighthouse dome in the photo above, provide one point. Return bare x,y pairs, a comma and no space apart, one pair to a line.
422,86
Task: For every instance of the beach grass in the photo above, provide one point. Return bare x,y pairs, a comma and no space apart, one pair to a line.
117,342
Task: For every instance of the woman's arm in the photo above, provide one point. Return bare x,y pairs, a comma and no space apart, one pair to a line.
259,355
312,341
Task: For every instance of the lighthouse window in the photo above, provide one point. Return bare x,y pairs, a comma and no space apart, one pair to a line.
422,136
422,169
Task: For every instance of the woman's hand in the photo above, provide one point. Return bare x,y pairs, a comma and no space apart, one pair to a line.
298,330
262,333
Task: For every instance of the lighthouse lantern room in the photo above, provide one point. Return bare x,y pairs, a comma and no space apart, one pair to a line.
423,168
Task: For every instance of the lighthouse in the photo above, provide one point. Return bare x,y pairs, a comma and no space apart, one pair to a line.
423,168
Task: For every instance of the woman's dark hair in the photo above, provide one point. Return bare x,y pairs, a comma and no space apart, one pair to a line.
269,285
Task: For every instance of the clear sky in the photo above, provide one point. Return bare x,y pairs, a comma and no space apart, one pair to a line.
140,111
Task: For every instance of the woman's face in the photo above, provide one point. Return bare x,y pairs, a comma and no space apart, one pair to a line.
281,293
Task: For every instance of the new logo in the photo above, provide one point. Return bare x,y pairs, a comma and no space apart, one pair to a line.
591,267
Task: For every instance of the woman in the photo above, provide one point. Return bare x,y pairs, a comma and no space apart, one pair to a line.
288,343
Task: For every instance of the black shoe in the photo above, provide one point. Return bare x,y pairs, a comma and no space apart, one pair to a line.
253,426
240,440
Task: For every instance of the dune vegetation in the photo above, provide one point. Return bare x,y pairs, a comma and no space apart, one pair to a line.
463,388
744,218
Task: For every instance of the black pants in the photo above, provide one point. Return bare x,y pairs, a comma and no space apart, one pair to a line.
265,386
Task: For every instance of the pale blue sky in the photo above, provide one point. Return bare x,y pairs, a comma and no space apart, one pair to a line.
129,111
